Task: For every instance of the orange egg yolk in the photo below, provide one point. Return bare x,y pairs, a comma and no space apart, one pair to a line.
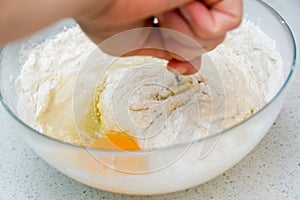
116,141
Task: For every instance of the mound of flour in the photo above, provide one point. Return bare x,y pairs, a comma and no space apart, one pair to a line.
249,69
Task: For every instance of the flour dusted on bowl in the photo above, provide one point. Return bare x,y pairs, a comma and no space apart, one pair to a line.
247,61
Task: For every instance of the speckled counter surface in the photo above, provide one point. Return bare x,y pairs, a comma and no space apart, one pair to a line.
270,171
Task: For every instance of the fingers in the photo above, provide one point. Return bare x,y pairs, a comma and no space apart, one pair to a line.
213,18
183,67
153,46
205,21
175,21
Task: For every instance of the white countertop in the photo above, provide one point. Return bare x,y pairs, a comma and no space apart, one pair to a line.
270,171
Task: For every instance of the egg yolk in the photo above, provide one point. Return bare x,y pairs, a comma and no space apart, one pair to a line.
112,140
116,140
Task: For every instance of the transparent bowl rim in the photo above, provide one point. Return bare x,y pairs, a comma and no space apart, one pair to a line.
292,69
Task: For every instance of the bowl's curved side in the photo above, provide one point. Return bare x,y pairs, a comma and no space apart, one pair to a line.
257,6
102,170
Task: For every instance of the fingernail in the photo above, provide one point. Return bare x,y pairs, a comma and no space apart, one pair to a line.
185,13
180,70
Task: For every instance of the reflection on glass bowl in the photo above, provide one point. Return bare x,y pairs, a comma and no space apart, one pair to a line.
153,172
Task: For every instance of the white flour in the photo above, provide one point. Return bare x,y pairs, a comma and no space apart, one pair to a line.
247,61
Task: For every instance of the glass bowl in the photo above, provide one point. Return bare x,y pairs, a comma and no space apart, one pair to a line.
153,172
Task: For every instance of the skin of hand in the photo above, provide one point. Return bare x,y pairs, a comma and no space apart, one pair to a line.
206,21
19,18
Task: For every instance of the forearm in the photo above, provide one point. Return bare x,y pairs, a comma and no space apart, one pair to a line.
19,18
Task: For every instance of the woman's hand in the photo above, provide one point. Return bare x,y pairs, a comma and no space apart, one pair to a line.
205,21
